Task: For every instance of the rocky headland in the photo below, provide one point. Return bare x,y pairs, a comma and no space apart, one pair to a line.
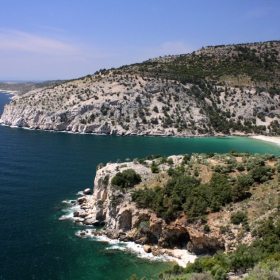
220,90
123,218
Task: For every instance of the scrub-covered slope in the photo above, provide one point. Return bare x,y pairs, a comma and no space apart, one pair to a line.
231,89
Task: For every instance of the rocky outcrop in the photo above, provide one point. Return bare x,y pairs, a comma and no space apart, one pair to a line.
123,220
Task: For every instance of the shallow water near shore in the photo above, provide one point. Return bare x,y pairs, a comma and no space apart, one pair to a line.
40,169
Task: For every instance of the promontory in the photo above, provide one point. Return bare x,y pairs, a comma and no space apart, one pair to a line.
216,90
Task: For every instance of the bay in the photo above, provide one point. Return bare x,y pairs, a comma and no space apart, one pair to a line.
39,169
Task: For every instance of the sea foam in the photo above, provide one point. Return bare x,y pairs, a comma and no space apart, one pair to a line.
114,244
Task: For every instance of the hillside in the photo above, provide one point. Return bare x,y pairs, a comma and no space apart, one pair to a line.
199,203
217,90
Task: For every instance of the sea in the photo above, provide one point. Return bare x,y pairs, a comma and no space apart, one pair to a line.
40,169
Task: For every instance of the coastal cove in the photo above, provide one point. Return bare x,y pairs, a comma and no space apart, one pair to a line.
39,169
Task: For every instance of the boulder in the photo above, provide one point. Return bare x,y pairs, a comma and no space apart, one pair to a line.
81,200
76,214
147,248
89,221
87,191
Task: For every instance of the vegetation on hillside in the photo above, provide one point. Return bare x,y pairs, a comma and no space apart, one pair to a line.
126,179
244,185
218,89
184,193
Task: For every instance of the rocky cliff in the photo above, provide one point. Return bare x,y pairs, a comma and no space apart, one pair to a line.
216,90
123,219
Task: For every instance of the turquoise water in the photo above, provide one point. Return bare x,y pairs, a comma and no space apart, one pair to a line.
40,169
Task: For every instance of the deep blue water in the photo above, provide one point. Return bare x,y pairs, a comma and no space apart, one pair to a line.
40,169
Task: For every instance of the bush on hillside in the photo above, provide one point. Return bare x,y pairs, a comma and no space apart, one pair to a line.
126,179
238,218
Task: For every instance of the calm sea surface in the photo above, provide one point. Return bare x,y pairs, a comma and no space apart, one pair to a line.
40,169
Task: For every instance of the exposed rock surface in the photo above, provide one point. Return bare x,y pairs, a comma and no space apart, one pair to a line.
87,191
162,97
123,220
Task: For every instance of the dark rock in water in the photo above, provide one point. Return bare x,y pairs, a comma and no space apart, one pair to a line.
81,200
125,238
73,201
76,214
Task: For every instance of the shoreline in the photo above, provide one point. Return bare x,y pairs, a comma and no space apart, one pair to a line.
12,93
271,139
181,256
128,134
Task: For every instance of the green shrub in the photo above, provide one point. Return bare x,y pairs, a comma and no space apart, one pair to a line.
186,159
170,161
238,218
206,228
241,187
265,270
126,179
105,181
99,166
261,174
240,166
154,169
185,193
220,274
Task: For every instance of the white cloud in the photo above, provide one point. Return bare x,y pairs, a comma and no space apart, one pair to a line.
51,56
14,40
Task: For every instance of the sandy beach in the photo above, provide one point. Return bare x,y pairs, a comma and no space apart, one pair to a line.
271,139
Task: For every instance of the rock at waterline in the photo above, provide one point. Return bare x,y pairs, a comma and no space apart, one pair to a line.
147,249
87,191
81,200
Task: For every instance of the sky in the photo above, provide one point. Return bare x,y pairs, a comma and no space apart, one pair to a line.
66,39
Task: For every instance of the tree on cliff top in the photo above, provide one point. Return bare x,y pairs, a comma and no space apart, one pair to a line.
126,179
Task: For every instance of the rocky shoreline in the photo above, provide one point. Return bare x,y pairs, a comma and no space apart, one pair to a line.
80,214
100,131
123,221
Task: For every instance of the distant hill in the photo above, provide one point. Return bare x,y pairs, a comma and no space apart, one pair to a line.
217,90
23,87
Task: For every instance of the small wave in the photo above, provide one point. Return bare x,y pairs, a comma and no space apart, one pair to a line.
115,244
66,217
70,212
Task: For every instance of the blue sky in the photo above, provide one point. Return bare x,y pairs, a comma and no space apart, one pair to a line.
41,40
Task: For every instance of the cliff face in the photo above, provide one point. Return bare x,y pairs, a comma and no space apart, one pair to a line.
202,203
217,90
111,107
123,220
